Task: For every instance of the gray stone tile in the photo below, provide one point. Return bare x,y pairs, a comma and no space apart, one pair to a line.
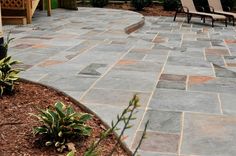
147,153
209,135
158,142
187,70
92,69
171,85
70,83
218,60
132,65
187,61
162,121
228,104
126,84
134,75
196,44
223,72
117,98
111,47
176,100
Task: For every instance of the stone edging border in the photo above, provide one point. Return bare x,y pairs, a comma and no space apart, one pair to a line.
135,26
83,107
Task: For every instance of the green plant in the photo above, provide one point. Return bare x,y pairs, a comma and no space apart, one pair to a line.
228,4
8,75
139,4
60,125
126,116
99,3
4,47
170,5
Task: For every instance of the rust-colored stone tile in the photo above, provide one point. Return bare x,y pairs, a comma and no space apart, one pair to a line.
126,62
231,64
40,46
171,77
205,29
50,63
217,52
199,79
22,46
159,39
230,41
158,142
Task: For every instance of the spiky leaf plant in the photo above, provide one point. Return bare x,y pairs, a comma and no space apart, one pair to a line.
60,125
8,75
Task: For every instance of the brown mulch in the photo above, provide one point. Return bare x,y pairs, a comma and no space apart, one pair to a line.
16,124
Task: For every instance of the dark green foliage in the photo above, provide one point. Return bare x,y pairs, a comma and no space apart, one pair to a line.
99,3
68,4
199,4
228,4
4,47
149,3
139,4
170,5
61,124
8,75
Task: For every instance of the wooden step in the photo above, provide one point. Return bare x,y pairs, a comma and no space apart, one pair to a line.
14,20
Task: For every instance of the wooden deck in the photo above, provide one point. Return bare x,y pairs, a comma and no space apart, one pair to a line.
22,11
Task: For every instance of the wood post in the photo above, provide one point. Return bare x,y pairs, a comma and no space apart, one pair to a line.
49,7
28,11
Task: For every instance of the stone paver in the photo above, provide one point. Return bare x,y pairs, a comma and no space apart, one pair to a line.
209,135
184,74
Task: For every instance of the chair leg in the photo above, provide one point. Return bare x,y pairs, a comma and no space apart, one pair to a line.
175,14
226,22
212,23
188,17
204,20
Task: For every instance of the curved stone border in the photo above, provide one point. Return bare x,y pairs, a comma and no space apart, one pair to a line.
83,107
135,26
68,32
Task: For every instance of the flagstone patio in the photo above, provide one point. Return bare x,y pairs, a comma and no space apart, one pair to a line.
184,74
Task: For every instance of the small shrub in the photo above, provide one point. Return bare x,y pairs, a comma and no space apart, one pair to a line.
228,3
138,4
149,3
99,3
4,47
170,5
8,75
60,125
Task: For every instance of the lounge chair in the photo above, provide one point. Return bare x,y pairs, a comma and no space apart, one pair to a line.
189,9
216,7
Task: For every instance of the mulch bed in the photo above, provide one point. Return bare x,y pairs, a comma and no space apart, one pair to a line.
152,10
16,124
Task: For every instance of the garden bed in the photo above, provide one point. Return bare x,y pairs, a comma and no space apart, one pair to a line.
16,137
152,10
